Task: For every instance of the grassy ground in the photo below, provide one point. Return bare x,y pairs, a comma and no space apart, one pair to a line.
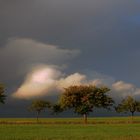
72,131
99,120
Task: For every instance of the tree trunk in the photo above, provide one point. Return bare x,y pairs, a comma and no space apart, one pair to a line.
132,113
37,116
85,118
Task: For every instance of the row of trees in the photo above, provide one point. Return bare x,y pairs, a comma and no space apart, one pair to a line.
82,99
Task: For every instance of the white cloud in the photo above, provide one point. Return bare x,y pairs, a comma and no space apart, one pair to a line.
73,79
39,82
48,80
122,86
45,80
123,89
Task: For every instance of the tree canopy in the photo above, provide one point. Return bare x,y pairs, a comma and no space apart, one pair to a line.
84,98
2,96
38,106
129,104
56,108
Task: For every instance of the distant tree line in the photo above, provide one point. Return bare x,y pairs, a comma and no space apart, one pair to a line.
83,99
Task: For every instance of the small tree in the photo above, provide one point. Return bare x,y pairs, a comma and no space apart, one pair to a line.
83,99
129,104
56,109
38,106
2,96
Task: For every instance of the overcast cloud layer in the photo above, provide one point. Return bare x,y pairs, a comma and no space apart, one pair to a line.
92,41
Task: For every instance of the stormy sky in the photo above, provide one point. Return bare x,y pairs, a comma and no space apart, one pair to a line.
74,42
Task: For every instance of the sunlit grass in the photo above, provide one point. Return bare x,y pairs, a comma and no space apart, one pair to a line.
71,131
99,120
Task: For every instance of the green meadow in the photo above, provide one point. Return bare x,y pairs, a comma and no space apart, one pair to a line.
113,128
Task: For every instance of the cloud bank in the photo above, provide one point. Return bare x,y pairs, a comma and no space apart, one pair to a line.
38,82
45,80
124,89
39,65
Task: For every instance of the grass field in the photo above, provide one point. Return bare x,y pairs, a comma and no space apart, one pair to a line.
70,129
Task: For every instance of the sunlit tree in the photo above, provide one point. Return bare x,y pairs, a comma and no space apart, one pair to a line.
38,106
129,104
84,99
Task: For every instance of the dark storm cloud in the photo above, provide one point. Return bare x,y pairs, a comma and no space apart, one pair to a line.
62,21
105,31
102,29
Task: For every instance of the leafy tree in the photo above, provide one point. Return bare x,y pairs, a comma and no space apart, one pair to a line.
56,108
83,99
129,104
38,106
2,96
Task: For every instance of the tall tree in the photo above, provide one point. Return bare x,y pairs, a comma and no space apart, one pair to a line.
129,104
2,96
38,106
83,99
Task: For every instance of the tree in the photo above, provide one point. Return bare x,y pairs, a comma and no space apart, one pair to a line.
83,99
56,108
129,104
38,106
2,96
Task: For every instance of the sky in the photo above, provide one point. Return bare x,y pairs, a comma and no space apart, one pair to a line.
46,45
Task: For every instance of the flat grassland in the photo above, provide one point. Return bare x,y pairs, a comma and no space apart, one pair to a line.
113,128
